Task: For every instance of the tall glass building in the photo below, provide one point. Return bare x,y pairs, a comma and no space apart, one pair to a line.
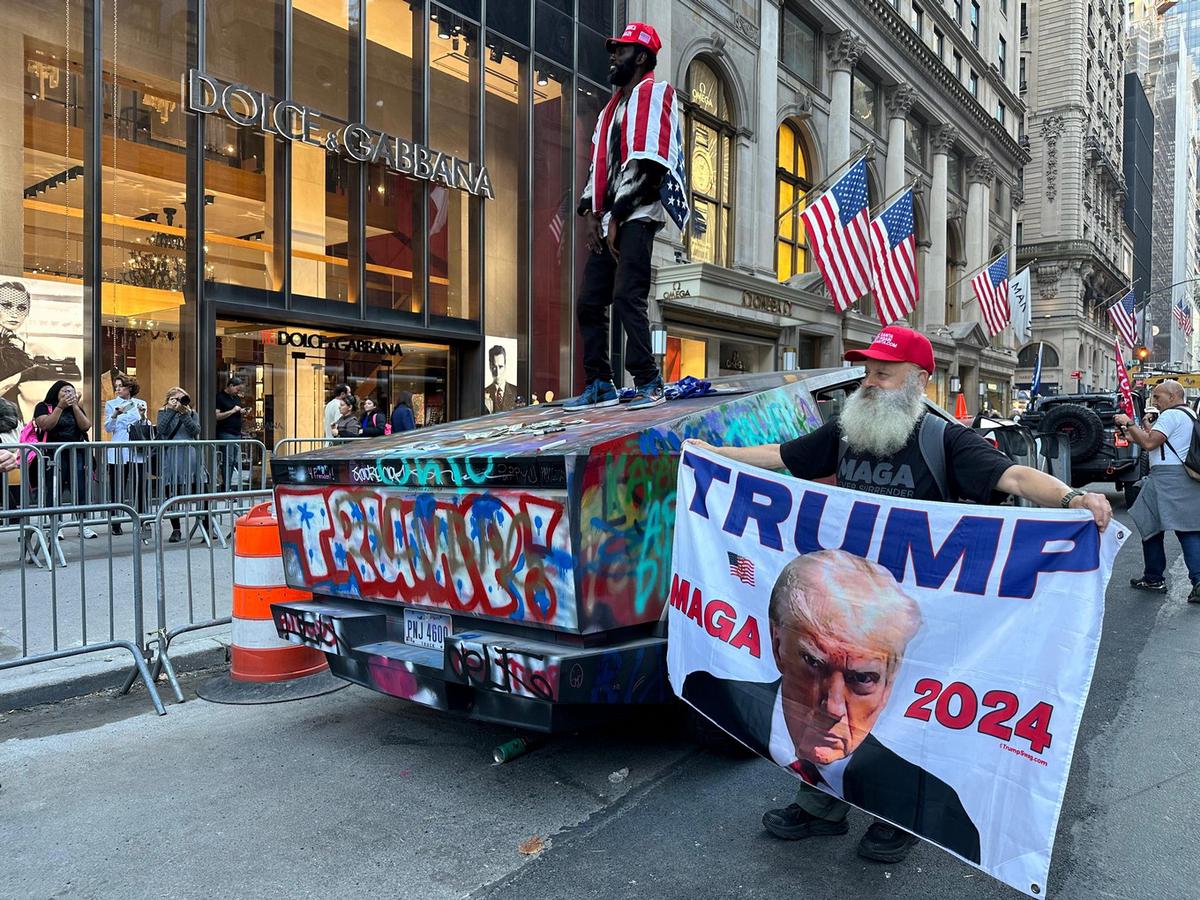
302,192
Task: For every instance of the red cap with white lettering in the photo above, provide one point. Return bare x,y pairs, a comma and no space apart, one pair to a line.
897,344
637,33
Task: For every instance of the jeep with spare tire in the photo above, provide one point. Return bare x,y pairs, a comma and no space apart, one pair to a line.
1098,450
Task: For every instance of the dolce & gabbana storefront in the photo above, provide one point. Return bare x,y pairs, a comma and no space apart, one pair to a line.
301,192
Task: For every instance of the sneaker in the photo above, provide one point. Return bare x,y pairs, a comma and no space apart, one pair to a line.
885,843
1194,596
1143,584
598,393
792,823
648,395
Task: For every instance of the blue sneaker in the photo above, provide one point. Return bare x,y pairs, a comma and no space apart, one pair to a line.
648,395
598,393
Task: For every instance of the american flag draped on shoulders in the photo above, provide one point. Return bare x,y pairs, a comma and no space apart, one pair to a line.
894,260
1183,316
1124,317
651,131
838,228
991,289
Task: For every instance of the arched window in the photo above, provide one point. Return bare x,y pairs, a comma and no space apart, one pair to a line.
792,181
1027,358
710,166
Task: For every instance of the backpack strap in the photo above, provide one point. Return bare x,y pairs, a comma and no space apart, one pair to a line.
931,438
1167,441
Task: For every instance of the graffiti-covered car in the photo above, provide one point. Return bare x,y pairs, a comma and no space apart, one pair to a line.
515,567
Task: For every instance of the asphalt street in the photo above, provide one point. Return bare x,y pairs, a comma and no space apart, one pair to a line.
354,792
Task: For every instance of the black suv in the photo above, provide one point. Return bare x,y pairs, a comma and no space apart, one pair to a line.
1098,452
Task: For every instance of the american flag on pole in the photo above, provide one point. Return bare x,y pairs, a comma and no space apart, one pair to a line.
838,228
1123,316
991,288
894,260
741,568
1183,316
1123,384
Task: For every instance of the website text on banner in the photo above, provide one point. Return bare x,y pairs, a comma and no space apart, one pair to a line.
926,662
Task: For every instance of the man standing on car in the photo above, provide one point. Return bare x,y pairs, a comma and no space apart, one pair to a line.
877,444
1170,497
636,153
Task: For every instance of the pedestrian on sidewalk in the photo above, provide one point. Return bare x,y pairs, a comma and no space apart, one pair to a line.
403,417
332,412
634,157
1170,497
124,465
181,471
374,422
62,419
347,424
229,428
886,442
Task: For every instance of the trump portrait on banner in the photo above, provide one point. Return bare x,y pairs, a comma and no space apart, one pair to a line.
839,627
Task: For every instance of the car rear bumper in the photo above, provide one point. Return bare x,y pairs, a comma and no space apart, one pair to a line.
489,676
1124,469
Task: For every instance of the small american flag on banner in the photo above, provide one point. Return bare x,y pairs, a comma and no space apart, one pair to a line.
1183,317
741,568
1123,316
894,260
838,227
991,287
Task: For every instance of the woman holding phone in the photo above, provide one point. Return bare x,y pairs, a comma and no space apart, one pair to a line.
62,419
181,472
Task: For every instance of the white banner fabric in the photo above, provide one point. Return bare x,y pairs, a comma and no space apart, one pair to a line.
926,662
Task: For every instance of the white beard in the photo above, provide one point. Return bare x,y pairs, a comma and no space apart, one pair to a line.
880,422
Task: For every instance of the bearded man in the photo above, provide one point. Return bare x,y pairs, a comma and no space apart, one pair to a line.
885,442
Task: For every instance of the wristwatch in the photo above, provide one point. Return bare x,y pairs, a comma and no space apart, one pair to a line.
1069,496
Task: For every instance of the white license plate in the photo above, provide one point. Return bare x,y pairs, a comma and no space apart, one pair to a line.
424,629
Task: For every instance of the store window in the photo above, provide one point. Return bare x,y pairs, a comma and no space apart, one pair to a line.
1028,355
454,224
506,95
394,276
559,176
799,45
864,100
685,356
291,372
710,152
792,182
143,227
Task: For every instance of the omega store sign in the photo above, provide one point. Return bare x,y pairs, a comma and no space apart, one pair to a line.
255,109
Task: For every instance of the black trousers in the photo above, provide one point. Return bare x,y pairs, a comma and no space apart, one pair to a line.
623,284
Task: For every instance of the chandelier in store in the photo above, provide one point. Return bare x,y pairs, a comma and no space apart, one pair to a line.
163,265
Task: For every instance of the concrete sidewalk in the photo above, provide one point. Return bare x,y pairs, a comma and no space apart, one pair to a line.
91,600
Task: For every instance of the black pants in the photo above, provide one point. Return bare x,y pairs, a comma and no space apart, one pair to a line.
623,284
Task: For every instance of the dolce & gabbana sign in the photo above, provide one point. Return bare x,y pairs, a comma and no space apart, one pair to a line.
245,106
344,344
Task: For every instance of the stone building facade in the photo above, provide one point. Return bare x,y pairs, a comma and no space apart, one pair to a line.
1072,225
779,94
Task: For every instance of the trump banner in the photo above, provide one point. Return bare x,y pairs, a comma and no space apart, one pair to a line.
925,662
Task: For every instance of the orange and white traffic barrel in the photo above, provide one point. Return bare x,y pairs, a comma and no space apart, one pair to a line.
258,653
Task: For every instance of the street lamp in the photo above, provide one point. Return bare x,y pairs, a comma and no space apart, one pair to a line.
658,343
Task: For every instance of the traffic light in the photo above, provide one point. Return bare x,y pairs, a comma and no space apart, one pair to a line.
1140,355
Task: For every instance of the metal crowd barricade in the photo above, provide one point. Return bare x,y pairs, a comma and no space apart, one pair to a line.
25,488
47,622
288,446
222,508
1054,455
144,475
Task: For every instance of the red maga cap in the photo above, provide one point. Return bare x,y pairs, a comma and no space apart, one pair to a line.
637,33
897,344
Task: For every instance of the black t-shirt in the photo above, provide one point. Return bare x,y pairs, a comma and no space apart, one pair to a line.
973,466
232,426
67,429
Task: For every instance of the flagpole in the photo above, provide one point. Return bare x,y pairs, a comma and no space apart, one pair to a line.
864,152
894,195
975,272
1122,292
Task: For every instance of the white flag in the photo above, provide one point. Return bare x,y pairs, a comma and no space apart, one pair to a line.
1022,318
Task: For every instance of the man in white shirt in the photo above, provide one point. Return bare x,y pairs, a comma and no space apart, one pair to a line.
332,413
1170,498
